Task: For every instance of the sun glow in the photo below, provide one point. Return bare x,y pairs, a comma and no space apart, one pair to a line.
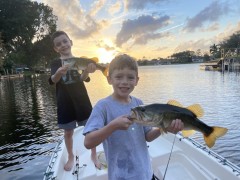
105,56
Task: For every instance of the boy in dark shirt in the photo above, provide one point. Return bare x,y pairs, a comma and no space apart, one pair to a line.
73,103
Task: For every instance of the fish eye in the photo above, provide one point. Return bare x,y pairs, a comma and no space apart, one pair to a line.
142,109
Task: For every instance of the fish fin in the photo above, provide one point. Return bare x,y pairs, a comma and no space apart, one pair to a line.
187,133
196,109
174,103
105,72
95,59
211,138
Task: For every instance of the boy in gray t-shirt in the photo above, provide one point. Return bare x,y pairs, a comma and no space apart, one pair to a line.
124,142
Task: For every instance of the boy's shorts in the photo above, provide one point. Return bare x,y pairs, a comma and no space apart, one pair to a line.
72,125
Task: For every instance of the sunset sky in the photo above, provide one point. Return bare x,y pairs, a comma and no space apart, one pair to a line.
145,28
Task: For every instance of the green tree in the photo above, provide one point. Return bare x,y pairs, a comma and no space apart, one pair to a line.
43,51
228,45
23,22
215,51
2,54
1,50
199,53
231,42
206,57
183,57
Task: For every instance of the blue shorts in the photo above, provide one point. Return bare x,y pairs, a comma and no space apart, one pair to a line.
72,125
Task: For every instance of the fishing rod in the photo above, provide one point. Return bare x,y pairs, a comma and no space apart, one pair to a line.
169,157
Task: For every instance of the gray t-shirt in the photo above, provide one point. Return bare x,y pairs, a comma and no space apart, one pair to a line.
126,150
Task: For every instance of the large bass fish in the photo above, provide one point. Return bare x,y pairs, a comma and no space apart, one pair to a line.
80,63
161,115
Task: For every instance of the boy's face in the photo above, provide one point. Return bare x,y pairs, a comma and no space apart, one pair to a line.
123,82
62,45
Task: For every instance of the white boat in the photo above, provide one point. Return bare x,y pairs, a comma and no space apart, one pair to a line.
173,158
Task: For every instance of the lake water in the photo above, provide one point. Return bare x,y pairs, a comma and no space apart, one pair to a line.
28,130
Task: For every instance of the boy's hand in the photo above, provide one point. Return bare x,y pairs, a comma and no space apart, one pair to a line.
91,68
59,73
176,126
121,123
62,70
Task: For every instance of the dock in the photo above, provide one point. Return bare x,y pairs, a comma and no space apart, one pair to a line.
10,76
215,65
229,61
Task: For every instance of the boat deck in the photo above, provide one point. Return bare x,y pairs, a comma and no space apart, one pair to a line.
189,160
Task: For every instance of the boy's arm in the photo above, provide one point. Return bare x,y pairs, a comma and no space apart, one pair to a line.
59,73
152,134
94,138
176,126
55,78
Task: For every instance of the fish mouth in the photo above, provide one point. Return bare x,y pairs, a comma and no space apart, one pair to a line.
135,115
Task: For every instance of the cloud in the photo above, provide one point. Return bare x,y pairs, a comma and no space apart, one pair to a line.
140,29
144,38
161,48
96,6
192,45
141,4
212,27
115,8
102,44
210,14
204,43
90,27
226,33
73,19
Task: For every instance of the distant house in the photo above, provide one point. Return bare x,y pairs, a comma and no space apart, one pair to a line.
21,69
197,60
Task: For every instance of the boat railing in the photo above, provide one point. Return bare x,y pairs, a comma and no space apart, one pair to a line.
221,159
48,175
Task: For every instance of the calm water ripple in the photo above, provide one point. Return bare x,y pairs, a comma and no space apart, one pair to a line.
29,132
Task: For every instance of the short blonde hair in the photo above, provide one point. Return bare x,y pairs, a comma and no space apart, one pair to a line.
122,61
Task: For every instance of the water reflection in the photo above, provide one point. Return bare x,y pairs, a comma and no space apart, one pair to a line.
27,120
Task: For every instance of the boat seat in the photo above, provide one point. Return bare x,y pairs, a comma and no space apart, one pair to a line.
160,147
180,167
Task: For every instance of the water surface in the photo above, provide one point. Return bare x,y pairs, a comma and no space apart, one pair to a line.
29,132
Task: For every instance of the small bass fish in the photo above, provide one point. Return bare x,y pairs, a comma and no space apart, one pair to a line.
161,115
80,63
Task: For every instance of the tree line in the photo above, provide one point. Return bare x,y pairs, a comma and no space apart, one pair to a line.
231,43
215,50
26,26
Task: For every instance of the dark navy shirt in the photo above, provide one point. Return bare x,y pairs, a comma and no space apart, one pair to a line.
73,102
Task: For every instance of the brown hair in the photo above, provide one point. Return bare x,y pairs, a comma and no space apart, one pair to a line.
58,33
122,61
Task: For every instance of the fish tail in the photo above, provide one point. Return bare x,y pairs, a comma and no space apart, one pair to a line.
216,133
105,71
